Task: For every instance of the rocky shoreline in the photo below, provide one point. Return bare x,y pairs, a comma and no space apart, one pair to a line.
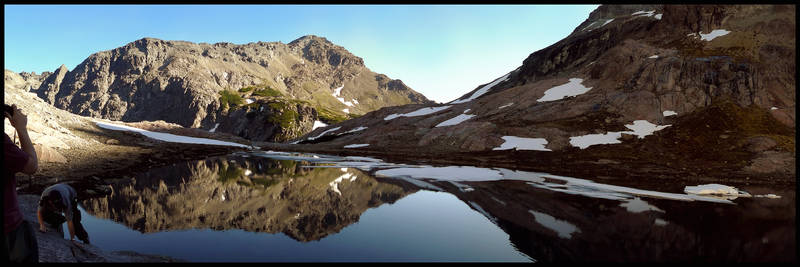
53,247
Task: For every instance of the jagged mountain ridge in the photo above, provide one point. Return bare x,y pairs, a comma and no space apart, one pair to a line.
635,63
180,82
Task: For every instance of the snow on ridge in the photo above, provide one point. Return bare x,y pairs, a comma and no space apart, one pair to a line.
168,137
419,112
644,13
455,120
323,133
607,22
506,105
356,145
360,128
522,143
571,88
483,90
318,124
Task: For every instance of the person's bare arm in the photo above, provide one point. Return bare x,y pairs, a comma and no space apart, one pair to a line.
20,122
41,221
71,230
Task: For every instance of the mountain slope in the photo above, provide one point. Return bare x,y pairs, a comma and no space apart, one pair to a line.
182,82
633,84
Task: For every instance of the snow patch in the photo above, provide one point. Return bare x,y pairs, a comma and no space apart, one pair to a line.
668,113
248,100
506,105
214,129
640,128
773,108
658,16
347,110
318,124
360,128
713,34
571,88
455,120
644,13
356,145
168,137
483,90
325,132
653,56
419,112
522,143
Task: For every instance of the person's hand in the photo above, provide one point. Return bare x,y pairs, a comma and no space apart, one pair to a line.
42,229
18,119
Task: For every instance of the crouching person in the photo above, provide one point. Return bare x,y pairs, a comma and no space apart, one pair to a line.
58,199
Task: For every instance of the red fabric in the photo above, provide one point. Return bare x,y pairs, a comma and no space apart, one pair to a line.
14,160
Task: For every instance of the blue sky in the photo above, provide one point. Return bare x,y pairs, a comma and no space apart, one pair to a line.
441,51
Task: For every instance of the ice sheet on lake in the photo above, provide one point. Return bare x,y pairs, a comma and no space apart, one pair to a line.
522,143
482,90
419,112
718,190
168,137
571,88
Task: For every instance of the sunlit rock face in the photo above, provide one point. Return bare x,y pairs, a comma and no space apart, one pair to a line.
258,195
182,82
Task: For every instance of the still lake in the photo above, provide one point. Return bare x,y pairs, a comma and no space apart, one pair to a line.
287,207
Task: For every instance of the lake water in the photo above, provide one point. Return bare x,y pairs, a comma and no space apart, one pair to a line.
276,206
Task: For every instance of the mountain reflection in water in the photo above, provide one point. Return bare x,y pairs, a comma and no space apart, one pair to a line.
314,200
252,194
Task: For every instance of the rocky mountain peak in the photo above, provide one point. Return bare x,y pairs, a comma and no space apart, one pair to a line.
321,51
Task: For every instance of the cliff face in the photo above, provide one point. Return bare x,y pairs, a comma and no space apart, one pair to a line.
666,68
258,195
182,82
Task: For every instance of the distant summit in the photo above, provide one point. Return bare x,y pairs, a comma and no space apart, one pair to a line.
310,79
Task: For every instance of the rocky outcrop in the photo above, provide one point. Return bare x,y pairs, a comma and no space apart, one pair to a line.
276,120
180,82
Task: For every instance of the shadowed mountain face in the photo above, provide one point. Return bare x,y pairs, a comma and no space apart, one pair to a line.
671,67
252,194
552,226
202,85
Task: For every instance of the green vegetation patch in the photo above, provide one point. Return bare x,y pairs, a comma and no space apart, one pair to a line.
283,115
230,98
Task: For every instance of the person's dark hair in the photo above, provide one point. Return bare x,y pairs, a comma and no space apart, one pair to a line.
54,197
